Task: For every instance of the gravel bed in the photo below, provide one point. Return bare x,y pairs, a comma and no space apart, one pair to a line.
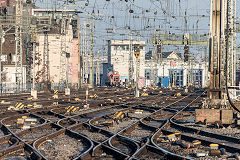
62,148
4,146
123,148
233,132
1,133
105,157
133,117
83,111
15,158
92,135
174,148
19,155
49,117
36,135
139,133
139,115
150,156
154,123
121,125
14,127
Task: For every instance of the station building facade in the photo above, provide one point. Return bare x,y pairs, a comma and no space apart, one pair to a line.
169,70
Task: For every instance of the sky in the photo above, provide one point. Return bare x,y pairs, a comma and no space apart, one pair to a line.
114,20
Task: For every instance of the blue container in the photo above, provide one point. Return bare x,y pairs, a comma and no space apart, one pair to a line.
165,82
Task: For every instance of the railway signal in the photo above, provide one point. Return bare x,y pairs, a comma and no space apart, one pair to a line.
137,50
186,53
159,48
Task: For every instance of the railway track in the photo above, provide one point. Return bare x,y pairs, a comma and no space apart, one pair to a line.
8,142
168,139
132,114
86,132
32,134
138,132
93,133
49,116
123,144
20,152
63,144
17,123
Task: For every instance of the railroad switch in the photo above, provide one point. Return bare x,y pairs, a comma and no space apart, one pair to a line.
77,99
144,94
183,145
55,103
217,153
18,106
177,94
138,111
214,146
93,96
201,154
171,137
110,100
196,143
178,135
55,96
26,122
71,109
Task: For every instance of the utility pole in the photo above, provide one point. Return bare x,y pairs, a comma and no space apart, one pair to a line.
137,55
98,70
79,57
18,47
33,40
85,52
1,47
62,76
130,63
29,49
91,57
46,74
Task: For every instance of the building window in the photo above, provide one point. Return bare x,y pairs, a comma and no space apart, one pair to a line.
176,77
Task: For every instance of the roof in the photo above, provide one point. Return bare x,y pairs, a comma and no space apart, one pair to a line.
167,54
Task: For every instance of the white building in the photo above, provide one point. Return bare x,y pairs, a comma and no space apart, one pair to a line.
59,65
172,70
119,57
